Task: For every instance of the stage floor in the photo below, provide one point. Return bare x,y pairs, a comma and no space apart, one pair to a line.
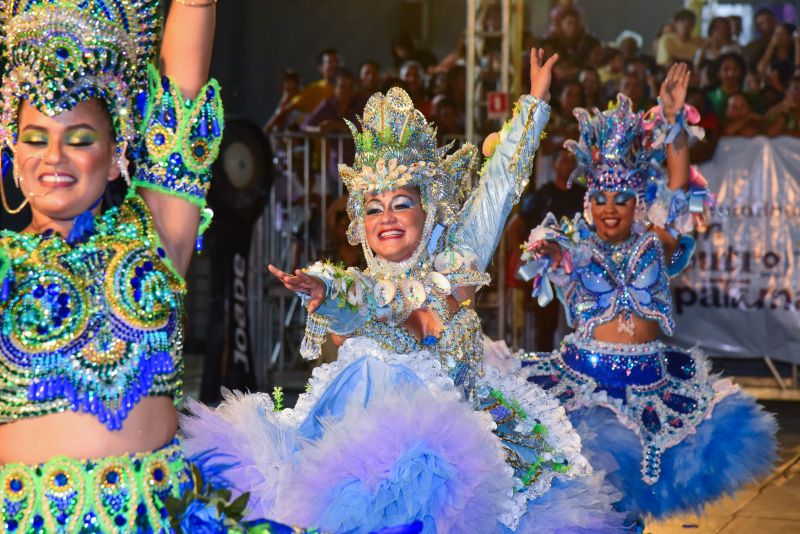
772,506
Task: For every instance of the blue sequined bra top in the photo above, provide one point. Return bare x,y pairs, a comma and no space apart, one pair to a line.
629,278
91,326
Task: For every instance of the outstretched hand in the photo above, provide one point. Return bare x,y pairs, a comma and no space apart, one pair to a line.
541,73
300,282
674,89
550,249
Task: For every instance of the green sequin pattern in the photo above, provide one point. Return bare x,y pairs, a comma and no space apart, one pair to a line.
93,326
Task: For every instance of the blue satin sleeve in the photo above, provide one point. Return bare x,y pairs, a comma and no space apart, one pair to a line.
502,181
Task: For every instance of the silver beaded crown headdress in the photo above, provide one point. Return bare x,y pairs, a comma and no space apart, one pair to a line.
397,148
59,53
614,151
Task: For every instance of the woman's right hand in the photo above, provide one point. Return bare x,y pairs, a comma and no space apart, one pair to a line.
300,282
551,249
541,73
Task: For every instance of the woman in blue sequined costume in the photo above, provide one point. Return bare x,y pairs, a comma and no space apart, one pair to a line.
409,424
679,436
91,306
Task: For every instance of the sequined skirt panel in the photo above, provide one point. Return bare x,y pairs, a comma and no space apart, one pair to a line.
660,392
115,494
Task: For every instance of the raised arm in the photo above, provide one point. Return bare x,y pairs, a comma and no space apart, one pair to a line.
507,171
188,41
673,97
185,59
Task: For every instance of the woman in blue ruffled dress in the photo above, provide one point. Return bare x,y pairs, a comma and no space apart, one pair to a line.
669,436
410,424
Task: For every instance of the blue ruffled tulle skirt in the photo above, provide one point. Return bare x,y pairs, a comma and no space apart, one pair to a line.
732,448
377,444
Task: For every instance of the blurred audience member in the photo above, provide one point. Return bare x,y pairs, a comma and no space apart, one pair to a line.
730,74
765,26
563,124
330,114
328,63
777,64
719,41
597,53
449,121
592,89
612,70
681,45
456,83
736,28
412,73
633,86
665,29
313,94
784,117
369,79
629,43
403,49
573,43
740,119
647,70
558,12
290,87
562,201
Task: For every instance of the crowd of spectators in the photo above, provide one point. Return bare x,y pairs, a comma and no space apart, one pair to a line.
741,89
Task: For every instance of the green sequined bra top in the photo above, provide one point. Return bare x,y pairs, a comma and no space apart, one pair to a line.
91,326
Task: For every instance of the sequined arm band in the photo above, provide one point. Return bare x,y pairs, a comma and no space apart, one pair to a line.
503,178
179,139
344,309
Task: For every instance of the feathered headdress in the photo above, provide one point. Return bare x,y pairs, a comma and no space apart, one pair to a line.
397,148
58,53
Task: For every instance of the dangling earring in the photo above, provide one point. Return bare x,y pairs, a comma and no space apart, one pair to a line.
15,172
587,211
122,163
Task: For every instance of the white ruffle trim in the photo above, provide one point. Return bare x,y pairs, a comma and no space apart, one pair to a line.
546,410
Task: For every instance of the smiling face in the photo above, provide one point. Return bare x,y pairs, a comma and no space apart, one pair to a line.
613,214
394,221
64,162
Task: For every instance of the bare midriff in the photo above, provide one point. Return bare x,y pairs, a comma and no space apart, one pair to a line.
644,331
151,425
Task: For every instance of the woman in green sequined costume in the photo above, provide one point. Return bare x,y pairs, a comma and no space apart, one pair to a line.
91,306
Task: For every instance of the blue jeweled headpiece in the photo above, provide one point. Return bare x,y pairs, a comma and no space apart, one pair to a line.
615,151
59,53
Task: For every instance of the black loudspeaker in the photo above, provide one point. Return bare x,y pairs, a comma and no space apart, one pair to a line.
238,195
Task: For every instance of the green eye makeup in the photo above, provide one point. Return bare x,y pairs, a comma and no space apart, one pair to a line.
33,137
81,137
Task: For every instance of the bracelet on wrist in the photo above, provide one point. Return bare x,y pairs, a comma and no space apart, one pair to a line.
191,3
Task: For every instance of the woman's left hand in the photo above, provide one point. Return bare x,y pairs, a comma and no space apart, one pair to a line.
673,90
